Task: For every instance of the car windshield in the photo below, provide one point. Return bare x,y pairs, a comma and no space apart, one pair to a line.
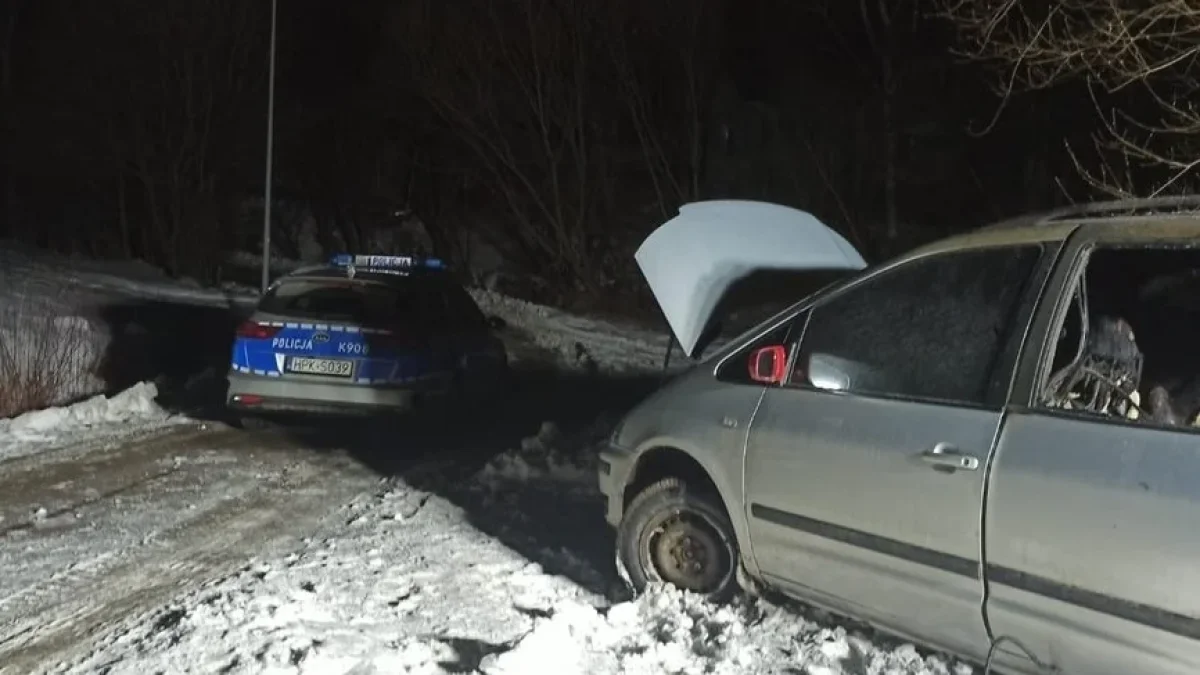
358,302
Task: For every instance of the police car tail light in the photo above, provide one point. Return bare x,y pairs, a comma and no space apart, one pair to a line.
256,331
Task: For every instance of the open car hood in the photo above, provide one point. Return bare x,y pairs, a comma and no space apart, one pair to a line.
691,260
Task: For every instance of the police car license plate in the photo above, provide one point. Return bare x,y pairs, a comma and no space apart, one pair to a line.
331,367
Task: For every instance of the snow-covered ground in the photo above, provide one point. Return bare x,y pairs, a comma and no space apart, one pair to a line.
501,570
582,342
94,420
406,584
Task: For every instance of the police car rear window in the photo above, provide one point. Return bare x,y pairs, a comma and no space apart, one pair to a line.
357,302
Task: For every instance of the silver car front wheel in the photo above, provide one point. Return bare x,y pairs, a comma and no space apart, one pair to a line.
676,535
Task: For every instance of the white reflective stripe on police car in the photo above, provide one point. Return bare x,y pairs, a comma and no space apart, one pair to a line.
325,327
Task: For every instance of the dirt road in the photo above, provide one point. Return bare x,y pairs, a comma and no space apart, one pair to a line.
86,539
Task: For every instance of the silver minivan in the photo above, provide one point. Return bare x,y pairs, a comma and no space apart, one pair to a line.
988,445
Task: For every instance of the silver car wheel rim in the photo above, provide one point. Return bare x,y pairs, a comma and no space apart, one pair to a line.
686,549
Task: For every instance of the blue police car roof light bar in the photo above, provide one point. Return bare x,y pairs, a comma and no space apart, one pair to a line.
392,262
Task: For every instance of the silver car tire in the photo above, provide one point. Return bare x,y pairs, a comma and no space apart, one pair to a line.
676,535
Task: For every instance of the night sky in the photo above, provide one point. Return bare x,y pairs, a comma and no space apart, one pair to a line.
559,131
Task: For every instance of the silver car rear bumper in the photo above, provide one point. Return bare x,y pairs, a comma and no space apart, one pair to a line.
276,395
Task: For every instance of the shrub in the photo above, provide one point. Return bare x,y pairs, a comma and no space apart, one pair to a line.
47,357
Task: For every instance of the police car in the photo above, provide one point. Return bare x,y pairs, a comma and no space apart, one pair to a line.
363,334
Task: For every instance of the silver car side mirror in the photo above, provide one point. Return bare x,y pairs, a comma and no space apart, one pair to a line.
825,372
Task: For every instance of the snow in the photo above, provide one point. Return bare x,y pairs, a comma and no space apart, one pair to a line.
51,341
502,571
580,342
51,274
540,457
131,411
52,356
405,583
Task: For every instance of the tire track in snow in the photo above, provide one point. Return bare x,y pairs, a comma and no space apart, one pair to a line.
278,496
79,443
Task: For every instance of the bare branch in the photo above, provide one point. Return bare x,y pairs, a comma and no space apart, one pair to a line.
1135,56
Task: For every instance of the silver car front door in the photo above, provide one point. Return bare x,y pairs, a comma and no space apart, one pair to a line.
1091,516
865,473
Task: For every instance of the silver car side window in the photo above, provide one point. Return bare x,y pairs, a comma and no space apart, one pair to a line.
930,329
1126,342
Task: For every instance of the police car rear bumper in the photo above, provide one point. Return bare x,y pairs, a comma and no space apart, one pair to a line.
250,393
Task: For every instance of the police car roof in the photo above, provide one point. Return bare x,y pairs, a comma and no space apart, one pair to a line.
334,272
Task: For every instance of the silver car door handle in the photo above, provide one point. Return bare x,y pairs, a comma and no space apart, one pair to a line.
946,456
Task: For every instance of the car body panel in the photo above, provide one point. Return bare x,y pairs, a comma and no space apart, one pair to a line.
909,535
374,355
1091,543
711,429
691,260
838,496
1090,523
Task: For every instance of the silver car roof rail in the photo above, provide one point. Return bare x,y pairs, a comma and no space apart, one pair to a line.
1116,208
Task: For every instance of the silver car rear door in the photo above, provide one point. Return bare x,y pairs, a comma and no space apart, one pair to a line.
865,474
1090,536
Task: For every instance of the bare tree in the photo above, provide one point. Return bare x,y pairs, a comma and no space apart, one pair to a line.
196,96
512,79
159,125
1134,57
888,66
663,64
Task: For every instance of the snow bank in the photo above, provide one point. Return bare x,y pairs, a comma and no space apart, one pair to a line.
580,342
51,340
130,411
129,279
46,358
547,455
404,585
408,586
665,631
670,631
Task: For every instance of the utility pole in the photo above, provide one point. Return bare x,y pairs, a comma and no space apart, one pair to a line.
266,237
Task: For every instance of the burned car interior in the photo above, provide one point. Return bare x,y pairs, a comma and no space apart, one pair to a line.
1125,349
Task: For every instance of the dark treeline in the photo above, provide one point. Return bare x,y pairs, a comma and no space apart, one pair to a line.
560,131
